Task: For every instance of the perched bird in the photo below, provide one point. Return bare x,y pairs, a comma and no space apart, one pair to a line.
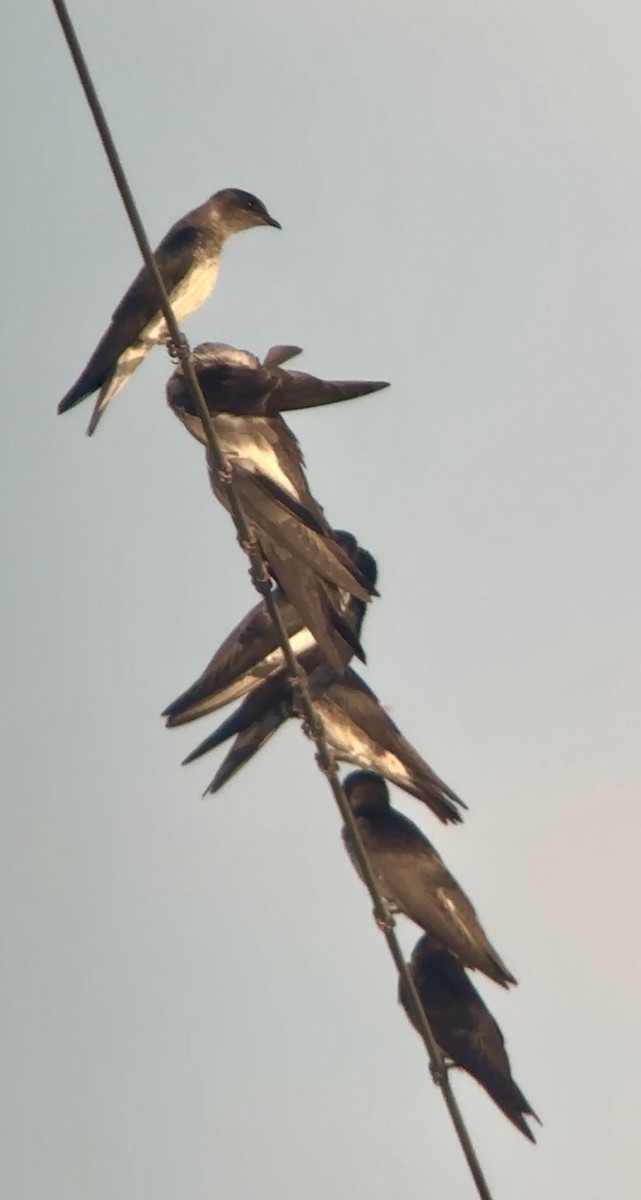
235,382
464,1028
355,725
265,464
252,653
414,879
187,259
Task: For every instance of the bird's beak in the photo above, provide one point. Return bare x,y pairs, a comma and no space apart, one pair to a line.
270,221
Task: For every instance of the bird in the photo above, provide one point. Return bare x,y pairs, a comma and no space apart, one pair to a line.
413,878
354,723
187,258
271,701
234,381
266,467
464,1027
251,653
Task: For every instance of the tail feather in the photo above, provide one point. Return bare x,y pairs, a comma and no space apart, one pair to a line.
247,744
510,1099
83,387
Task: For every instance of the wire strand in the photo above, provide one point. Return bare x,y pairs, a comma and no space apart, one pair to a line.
262,582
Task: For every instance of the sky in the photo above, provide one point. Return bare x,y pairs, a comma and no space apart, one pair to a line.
195,999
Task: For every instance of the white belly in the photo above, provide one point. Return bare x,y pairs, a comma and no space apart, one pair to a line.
264,669
194,289
254,451
186,298
354,746
299,642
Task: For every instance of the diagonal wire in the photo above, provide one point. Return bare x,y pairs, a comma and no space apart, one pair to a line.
260,578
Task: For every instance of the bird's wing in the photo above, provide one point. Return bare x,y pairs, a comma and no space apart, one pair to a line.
232,388
480,1051
136,310
298,390
453,909
247,744
353,695
277,355
174,256
317,603
286,524
253,640
272,695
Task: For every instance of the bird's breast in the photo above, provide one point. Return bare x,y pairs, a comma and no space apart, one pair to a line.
267,666
253,446
349,739
343,733
194,288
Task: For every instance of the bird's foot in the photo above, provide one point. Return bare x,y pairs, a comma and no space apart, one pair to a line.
438,1071
306,726
248,543
385,920
225,473
175,350
258,572
326,760
298,710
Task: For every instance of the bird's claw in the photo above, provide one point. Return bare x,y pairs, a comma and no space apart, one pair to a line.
261,582
385,922
225,474
248,544
257,572
325,761
174,350
438,1071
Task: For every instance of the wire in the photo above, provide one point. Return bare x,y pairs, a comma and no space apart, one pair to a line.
260,578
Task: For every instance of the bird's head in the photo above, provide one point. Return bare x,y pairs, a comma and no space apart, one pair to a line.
424,950
220,354
235,210
435,969
366,792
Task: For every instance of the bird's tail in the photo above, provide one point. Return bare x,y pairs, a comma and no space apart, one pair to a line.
273,696
511,1101
247,744
125,367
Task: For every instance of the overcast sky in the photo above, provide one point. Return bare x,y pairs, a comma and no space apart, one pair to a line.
196,1001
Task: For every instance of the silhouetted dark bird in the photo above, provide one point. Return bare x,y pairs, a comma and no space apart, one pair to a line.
355,725
266,467
464,1028
251,653
187,259
414,879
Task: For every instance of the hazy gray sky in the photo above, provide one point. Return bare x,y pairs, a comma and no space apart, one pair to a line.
196,1002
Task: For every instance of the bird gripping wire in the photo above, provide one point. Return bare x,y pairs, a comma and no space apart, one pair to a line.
260,578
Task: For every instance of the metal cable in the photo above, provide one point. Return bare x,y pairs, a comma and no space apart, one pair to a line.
260,578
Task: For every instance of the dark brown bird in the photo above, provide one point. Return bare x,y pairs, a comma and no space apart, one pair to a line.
187,259
235,382
464,1028
266,467
251,653
414,879
355,724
